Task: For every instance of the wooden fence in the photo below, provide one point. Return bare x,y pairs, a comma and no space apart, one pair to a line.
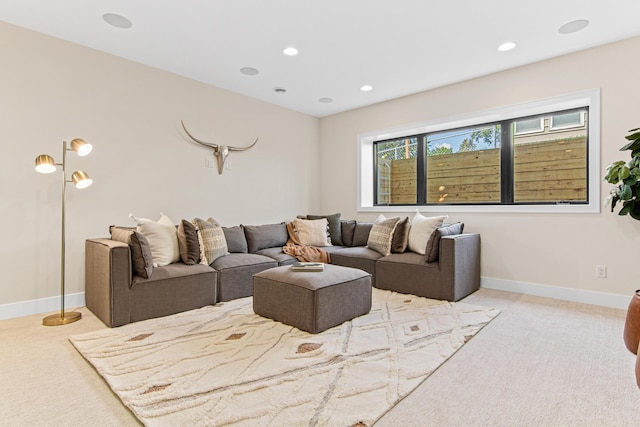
547,171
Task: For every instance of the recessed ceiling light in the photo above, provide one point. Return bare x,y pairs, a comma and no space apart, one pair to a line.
116,20
506,46
290,51
366,88
249,71
573,26
279,90
325,100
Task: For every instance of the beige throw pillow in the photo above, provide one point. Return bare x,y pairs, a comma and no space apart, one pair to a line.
381,235
213,244
312,232
162,236
421,229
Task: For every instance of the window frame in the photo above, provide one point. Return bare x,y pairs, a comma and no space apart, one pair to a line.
589,99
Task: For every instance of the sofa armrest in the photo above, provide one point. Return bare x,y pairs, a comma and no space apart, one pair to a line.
460,263
108,280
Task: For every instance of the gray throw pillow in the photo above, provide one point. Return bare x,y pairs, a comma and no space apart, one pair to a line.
266,236
141,259
335,229
401,236
236,240
188,243
432,252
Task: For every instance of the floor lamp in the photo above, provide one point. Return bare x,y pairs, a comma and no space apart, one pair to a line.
46,164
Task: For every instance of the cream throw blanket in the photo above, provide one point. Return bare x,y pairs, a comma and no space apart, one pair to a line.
302,252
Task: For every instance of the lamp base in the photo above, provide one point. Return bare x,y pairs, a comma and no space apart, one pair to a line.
61,319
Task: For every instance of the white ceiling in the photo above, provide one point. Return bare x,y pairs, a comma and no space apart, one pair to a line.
399,47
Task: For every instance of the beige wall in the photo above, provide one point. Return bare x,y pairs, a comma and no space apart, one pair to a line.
560,250
52,91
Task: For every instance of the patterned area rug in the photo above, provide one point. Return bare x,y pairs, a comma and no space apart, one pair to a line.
225,365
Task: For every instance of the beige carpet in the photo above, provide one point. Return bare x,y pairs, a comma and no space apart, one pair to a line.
224,365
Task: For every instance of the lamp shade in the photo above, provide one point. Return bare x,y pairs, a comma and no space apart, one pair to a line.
81,147
45,164
81,179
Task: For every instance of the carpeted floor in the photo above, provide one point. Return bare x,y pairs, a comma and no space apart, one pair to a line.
542,362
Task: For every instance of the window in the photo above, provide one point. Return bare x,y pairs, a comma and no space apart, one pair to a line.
536,157
567,120
529,126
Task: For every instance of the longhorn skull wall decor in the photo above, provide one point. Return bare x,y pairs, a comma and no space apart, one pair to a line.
220,151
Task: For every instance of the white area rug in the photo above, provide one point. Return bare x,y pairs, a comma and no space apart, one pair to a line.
225,365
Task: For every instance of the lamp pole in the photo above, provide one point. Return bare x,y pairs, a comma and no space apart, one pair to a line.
45,164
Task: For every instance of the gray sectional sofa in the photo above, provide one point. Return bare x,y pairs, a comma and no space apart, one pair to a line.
117,295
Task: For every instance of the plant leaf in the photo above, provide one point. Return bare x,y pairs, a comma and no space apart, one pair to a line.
625,209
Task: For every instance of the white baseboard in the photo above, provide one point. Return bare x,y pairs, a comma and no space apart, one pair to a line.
556,292
42,305
52,304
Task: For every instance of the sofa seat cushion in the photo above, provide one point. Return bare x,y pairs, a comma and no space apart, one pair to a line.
359,257
409,258
172,271
332,249
278,255
235,274
240,260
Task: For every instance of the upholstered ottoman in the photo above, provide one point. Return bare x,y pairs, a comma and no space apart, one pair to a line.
312,301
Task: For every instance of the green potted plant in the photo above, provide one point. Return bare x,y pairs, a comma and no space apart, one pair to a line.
626,178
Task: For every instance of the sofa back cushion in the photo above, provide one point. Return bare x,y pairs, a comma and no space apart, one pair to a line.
265,236
361,233
347,227
236,240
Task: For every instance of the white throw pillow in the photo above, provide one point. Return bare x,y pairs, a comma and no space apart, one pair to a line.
163,239
421,229
312,232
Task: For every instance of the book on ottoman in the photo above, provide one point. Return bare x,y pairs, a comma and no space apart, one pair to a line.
307,266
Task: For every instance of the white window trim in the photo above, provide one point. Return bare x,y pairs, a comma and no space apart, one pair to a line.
590,98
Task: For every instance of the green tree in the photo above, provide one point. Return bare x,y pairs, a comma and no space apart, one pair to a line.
439,150
468,144
489,136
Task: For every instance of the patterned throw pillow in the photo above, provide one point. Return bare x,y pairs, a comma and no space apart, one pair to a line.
381,235
312,232
421,229
335,227
213,244
400,238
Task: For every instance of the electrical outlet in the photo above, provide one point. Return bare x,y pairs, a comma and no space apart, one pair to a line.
601,271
